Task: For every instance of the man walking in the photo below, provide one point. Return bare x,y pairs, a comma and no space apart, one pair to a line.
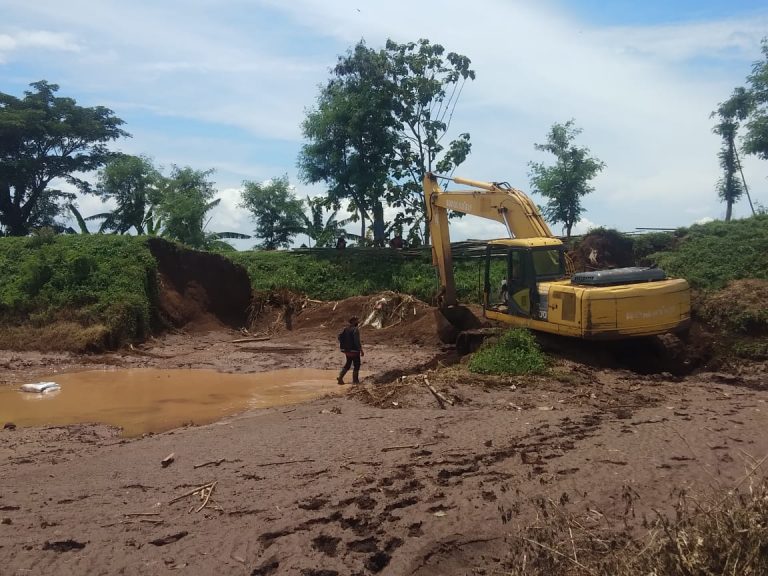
349,341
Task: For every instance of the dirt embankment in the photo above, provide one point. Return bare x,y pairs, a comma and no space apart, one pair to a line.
199,290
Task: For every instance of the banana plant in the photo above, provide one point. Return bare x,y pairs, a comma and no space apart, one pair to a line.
323,232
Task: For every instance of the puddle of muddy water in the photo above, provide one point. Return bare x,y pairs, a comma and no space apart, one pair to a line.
146,400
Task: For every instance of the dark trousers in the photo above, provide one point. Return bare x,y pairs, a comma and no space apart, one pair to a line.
353,358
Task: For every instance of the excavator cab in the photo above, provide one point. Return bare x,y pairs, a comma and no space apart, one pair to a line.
513,271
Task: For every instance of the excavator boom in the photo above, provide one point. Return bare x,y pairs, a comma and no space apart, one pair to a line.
492,200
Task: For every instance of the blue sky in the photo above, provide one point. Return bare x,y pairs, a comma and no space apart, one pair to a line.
224,85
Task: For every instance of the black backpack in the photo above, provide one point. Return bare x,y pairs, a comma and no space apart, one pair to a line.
346,339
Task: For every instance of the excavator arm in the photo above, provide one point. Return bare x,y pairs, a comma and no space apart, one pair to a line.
492,200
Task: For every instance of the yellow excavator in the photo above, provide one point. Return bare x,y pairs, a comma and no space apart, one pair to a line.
538,289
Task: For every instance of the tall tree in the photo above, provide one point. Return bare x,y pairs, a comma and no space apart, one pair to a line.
43,138
567,181
730,113
277,212
185,200
350,136
756,138
380,124
134,184
427,84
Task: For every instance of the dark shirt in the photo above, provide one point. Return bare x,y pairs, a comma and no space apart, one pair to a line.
352,339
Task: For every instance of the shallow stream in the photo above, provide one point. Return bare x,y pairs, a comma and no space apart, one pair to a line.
148,400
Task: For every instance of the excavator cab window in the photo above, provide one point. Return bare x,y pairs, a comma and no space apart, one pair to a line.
549,263
495,291
508,280
520,280
512,287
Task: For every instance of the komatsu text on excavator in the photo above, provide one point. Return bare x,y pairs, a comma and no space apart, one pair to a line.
528,280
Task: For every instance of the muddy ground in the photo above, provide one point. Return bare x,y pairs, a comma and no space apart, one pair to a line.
381,480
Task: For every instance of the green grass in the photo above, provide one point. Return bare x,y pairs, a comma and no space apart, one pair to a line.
89,280
334,275
710,255
514,352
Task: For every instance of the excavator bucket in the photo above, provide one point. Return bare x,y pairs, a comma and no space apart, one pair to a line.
453,320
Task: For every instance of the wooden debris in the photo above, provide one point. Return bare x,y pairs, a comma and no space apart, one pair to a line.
168,460
170,539
441,399
403,447
211,463
284,462
251,339
191,492
275,349
141,514
205,496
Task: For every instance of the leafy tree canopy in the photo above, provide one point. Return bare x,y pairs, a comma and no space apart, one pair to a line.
729,186
350,136
427,84
568,180
278,214
135,185
756,102
380,124
42,138
186,198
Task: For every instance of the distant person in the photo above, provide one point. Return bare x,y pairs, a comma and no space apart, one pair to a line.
349,342
504,292
396,242
341,243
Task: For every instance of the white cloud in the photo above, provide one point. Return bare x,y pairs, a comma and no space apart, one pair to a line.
729,39
26,40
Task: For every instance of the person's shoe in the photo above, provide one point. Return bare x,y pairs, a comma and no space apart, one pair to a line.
340,381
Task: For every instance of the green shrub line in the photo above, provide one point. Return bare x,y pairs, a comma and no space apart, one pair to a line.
104,279
335,275
711,255
111,280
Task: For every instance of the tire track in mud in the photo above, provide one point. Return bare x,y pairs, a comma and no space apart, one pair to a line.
364,530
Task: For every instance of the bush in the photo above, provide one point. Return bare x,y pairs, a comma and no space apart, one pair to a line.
710,255
514,352
333,275
108,281
645,245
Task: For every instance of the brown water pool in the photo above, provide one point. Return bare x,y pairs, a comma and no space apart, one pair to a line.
147,400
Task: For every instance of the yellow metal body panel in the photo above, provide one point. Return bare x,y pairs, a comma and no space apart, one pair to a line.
608,312
526,242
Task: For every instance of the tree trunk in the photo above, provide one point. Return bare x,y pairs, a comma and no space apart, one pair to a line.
378,224
15,223
729,211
